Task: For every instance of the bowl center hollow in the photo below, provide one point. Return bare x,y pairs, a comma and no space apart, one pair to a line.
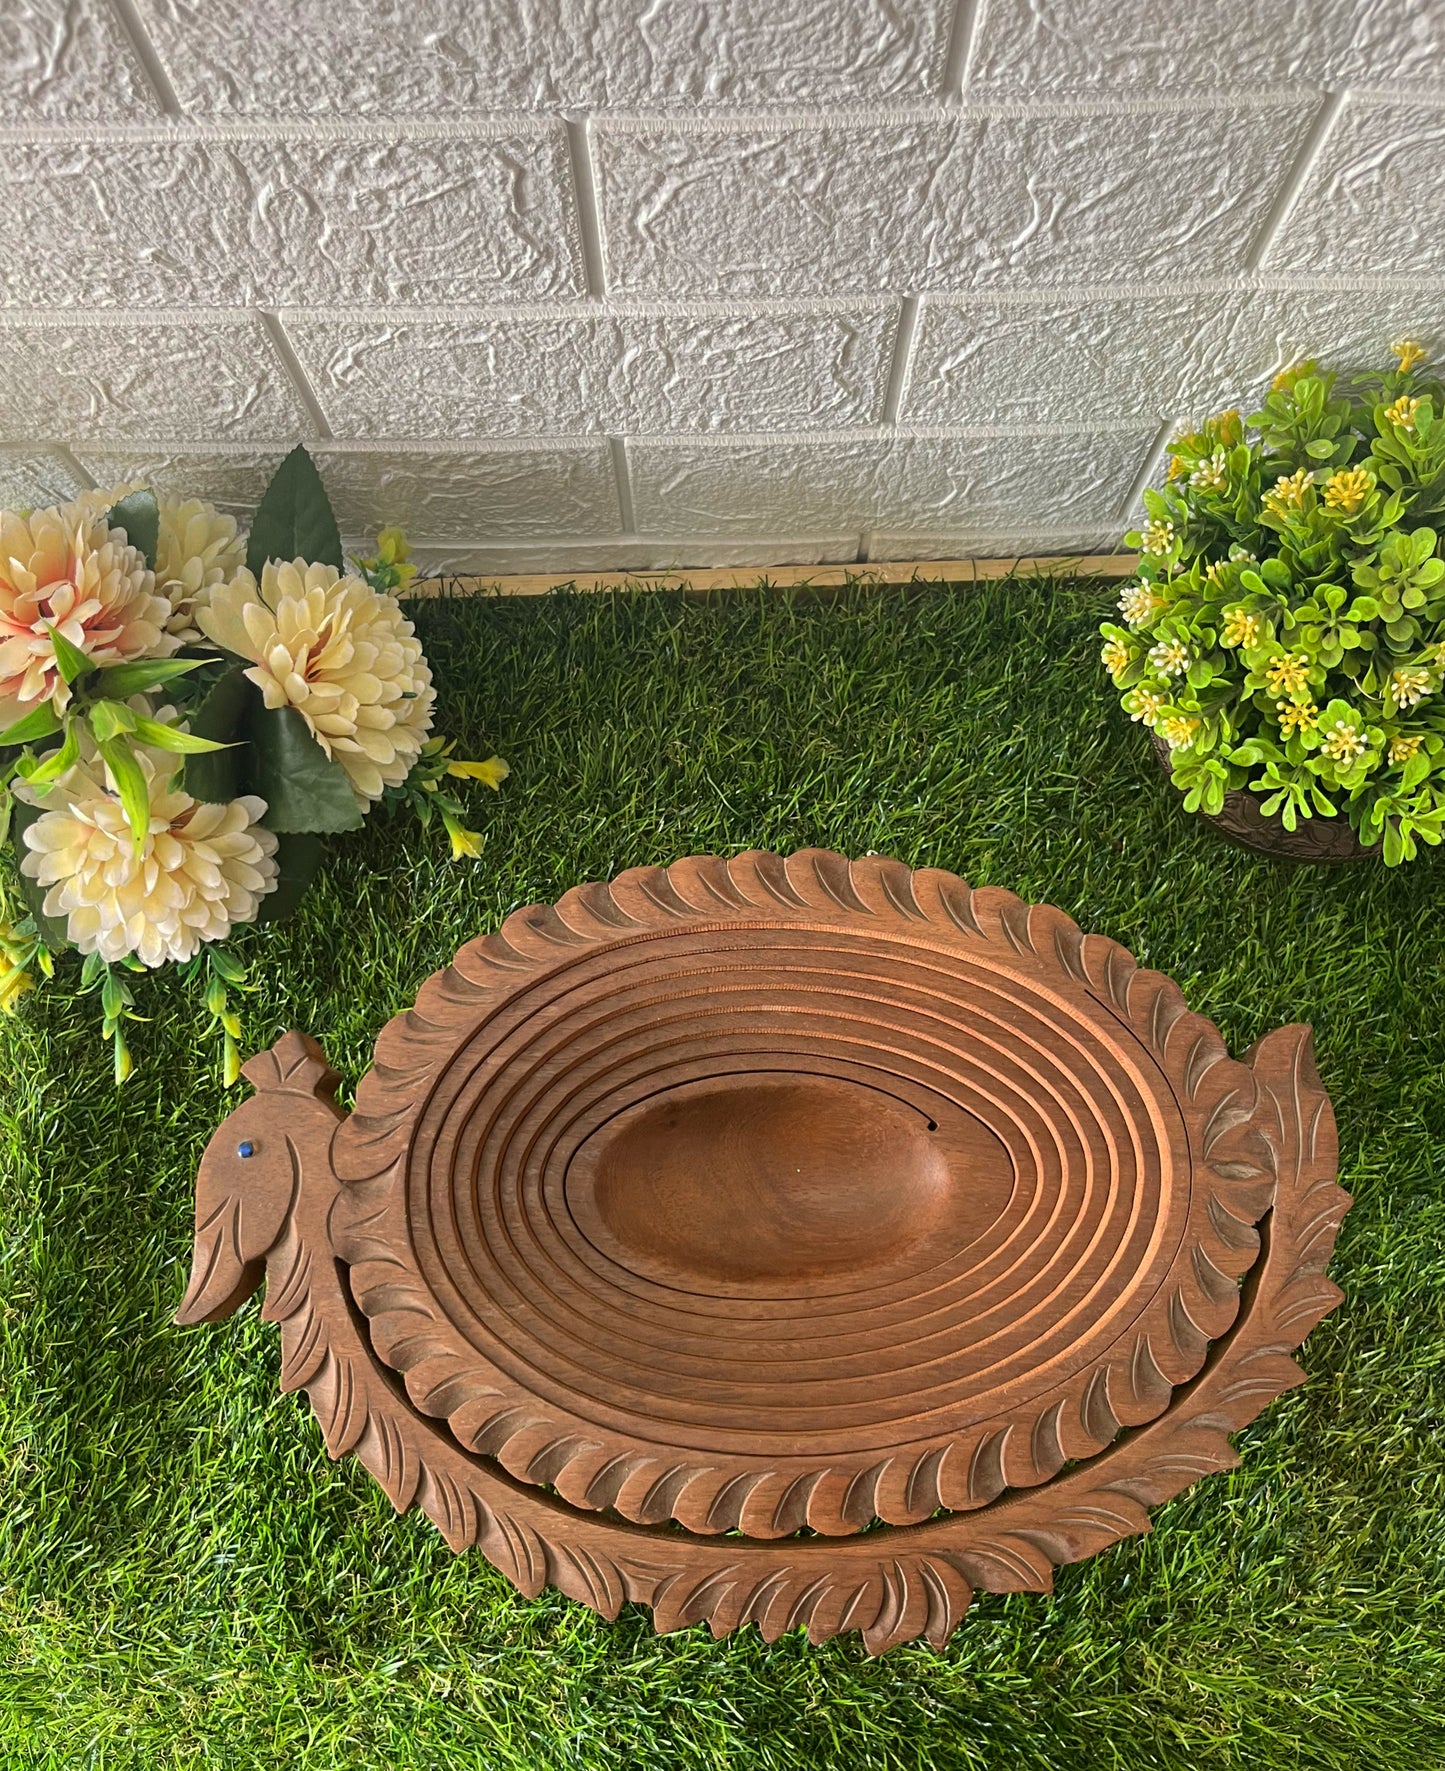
782,1180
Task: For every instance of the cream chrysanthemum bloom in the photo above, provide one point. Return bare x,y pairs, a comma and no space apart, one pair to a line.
202,868
339,652
63,568
197,549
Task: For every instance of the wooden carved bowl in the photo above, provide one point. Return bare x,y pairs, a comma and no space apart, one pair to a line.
800,1241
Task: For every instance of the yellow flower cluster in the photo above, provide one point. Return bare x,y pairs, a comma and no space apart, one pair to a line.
1284,382
1405,745
1348,489
1241,628
1344,744
1116,657
15,979
1179,731
1296,716
1403,412
1288,493
1170,657
1409,353
1144,705
1288,674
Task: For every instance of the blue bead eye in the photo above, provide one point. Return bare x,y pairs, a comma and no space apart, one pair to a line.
246,1148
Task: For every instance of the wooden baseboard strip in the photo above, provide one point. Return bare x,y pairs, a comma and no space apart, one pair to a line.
821,577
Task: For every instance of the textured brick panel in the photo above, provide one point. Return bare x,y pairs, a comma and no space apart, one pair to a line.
30,477
439,497
232,478
1034,539
227,223
66,61
772,487
1027,49
1066,359
564,374
439,57
185,383
1376,198
635,554
938,205
506,493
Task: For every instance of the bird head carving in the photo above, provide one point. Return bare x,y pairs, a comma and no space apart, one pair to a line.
248,1175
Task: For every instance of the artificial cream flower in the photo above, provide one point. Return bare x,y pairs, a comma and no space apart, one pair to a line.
61,567
197,549
339,652
1212,475
1158,537
1138,601
1405,745
1410,685
201,869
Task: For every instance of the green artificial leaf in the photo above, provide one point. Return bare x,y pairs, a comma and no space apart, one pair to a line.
139,515
39,723
298,856
223,717
108,719
52,931
139,678
294,519
69,659
55,762
163,737
303,788
131,785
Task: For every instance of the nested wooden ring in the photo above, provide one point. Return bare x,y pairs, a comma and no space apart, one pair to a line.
761,1194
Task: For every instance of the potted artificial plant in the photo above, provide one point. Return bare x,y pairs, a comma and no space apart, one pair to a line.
1284,641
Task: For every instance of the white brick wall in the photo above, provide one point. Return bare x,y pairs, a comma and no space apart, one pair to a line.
584,283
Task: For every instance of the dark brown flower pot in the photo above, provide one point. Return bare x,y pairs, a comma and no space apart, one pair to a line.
1325,842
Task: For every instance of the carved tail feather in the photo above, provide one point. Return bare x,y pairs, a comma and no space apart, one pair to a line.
250,1173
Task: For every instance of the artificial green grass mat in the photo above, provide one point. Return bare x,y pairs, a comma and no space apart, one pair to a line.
187,1580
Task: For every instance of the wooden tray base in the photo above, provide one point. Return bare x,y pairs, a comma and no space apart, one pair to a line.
1149,1356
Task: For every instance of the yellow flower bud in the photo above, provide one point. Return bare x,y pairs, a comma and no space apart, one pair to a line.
493,771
